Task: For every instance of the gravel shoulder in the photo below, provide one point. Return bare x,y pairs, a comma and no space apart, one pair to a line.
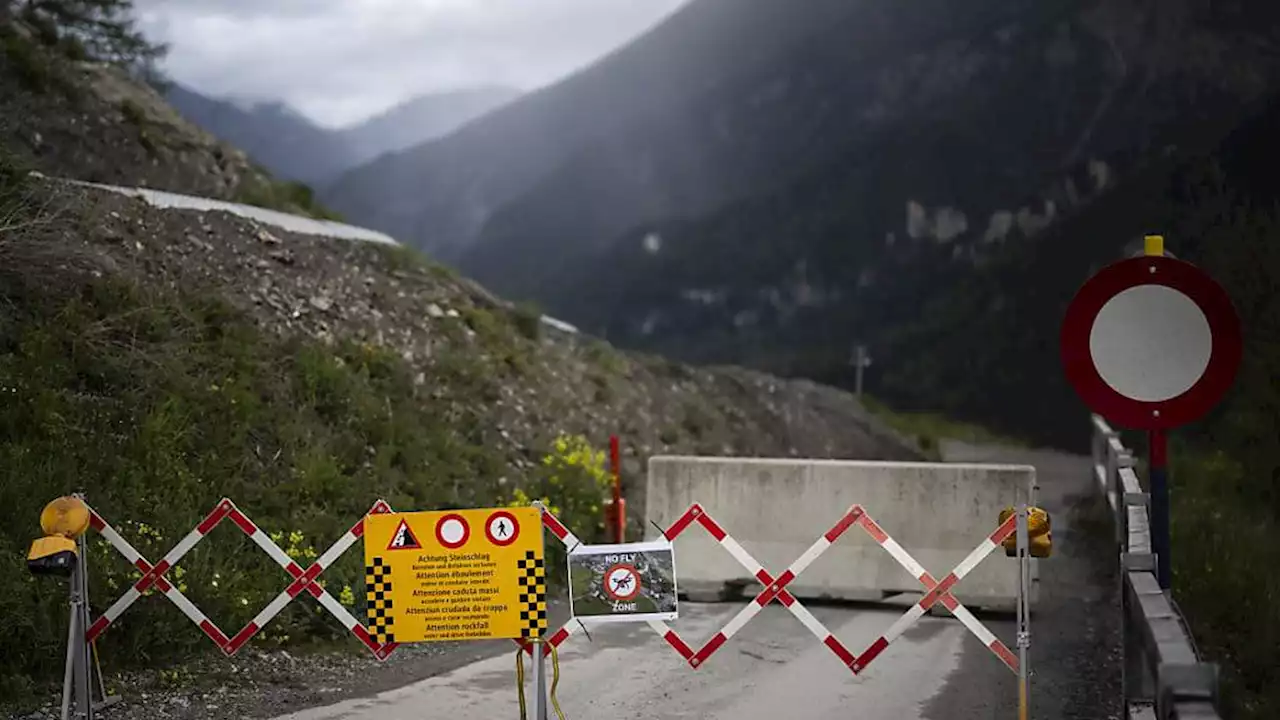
256,684
1075,654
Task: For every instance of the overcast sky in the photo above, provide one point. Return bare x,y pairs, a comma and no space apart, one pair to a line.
339,61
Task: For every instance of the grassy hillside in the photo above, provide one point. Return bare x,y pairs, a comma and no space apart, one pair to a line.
161,360
158,402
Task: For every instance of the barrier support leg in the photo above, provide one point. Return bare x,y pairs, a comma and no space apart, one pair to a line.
69,675
1024,612
77,688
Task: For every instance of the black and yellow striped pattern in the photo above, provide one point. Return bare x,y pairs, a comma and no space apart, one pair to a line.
533,595
377,584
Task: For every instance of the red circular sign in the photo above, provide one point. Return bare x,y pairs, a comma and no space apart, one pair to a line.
1218,350
621,582
452,531
501,528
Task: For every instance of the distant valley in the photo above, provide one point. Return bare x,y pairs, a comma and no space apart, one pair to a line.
291,147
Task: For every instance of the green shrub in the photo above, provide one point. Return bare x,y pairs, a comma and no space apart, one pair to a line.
528,320
1224,560
73,49
44,27
483,323
290,197
133,112
402,258
605,357
30,67
573,481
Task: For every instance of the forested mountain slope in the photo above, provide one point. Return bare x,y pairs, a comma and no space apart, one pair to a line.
958,151
440,195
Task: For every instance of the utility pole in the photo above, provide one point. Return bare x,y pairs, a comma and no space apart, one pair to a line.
860,360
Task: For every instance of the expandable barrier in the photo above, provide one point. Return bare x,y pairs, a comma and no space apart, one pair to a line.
303,580
773,587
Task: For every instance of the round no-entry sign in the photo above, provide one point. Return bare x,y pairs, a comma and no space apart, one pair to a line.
1151,343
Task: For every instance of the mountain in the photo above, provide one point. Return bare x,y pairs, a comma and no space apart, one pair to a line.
756,183
440,195
419,120
288,144
273,134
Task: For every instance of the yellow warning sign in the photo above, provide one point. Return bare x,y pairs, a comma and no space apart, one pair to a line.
455,575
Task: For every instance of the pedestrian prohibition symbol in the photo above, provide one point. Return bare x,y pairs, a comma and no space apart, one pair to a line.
465,585
501,528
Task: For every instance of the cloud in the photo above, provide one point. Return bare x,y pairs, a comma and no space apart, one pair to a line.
339,61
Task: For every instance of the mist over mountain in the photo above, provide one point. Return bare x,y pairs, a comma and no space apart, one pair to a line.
766,183
420,119
288,144
274,135
633,116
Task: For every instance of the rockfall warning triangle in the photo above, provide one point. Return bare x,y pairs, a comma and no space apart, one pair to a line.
403,538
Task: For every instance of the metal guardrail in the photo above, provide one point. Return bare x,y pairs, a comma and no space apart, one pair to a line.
1164,678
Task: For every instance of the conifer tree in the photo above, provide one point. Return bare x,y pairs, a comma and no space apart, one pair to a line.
101,30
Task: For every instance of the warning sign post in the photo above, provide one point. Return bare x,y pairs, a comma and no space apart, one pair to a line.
628,582
455,575
1152,343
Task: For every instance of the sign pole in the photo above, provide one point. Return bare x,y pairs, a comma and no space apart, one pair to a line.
1157,462
861,362
1158,475
539,680
1024,611
1152,343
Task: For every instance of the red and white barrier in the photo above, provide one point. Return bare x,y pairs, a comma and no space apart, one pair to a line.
303,580
774,588
936,592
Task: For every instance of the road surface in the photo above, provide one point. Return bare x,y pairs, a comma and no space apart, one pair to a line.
774,668
282,220
285,221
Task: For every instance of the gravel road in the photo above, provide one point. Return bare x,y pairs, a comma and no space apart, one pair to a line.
773,667
1075,657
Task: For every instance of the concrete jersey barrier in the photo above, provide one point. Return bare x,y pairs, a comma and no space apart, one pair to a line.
776,509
